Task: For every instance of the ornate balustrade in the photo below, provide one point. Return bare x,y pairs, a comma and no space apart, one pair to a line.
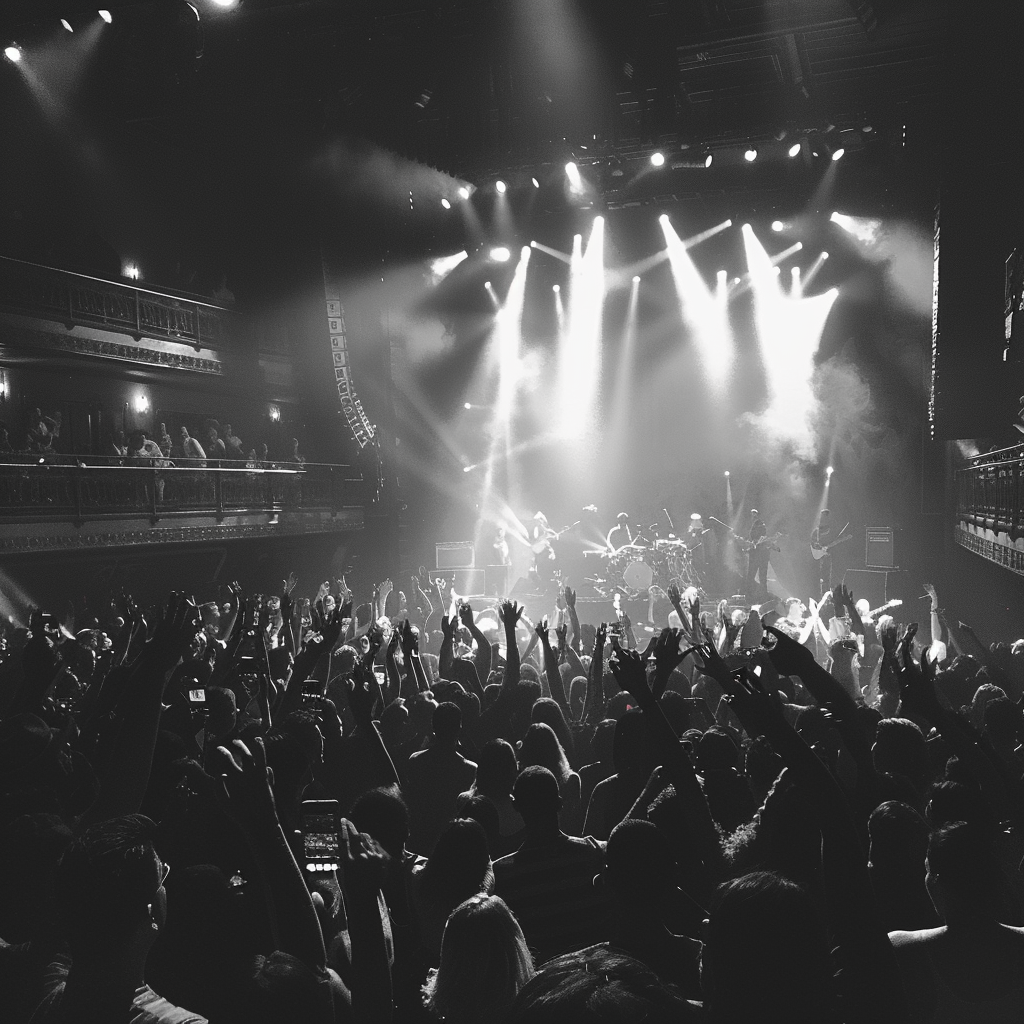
35,490
990,507
88,301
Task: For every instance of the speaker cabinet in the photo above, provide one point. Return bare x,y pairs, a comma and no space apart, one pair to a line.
880,547
470,581
455,554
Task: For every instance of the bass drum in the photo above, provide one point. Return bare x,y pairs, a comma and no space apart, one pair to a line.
638,575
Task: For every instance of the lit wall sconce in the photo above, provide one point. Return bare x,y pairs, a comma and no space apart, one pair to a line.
274,412
131,271
140,403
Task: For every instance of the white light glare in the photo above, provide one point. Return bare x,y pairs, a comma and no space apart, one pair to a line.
750,155
829,470
794,150
824,255
444,265
777,225
572,172
500,187
66,24
555,288
225,3
536,183
636,279
658,159
838,154
727,472
106,16
709,159
463,192
467,405
13,54
500,254
140,402
131,271
446,204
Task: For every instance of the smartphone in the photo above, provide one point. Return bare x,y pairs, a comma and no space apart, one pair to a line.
197,700
319,825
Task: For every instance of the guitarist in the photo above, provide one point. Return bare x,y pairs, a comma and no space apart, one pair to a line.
821,538
541,536
759,548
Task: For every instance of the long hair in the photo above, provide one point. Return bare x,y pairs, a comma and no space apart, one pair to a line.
460,865
484,963
541,747
548,711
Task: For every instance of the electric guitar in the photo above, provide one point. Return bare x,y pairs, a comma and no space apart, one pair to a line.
818,551
772,542
543,542
894,603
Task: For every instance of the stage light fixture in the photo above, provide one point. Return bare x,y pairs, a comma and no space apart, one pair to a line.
131,271
274,412
722,275
106,16
555,288
750,155
777,225
838,154
829,470
13,53
536,183
225,3
572,172
824,255
467,405
500,254
467,469
636,279
727,472
446,204
709,159
658,159
794,150
66,24
663,219
500,187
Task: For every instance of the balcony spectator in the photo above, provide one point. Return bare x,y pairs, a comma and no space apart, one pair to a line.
166,443
233,444
5,441
264,458
119,446
295,456
192,449
216,451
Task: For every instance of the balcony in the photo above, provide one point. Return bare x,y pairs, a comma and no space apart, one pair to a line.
79,300
990,507
52,506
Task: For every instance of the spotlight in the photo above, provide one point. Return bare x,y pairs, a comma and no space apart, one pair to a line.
131,271
555,288
66,24
225,3
487,284
722,275
663,219
13,53
463,192
274,412
824,255
447,205
829,470
795,271
467,405
536,183
140,402
658,159
777,225
838,154
727,472
572,172
500,254
794,150
106,16
500,187
750,155
636,279
709,159
467,469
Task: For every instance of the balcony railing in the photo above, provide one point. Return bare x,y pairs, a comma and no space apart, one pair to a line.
38,490
990,507
89,301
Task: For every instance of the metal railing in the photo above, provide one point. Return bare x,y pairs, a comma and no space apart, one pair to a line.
990,492
34,488
90,301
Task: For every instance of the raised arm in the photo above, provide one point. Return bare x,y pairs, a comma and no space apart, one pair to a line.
595,679
509,612
574,620
551,668
482,657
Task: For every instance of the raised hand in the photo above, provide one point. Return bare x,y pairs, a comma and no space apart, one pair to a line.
466,615
410,640
667,655
175,633
245,783
723,611
757,709
343,590
541,629
674,596
362,690
600,636
288,585
448,628
364,861
710,662
570,597
510,613
562,632
323,590
630,673
385,588
917,686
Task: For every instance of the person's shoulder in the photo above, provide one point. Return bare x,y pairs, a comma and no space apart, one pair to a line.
153,1009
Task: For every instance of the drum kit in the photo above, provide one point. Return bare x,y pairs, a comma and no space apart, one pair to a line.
635,569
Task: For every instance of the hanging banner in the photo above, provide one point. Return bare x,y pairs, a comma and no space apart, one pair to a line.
352,409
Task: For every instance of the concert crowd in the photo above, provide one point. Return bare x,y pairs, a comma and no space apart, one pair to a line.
285,809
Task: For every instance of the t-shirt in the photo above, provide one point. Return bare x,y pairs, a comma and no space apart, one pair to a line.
551,891
431,783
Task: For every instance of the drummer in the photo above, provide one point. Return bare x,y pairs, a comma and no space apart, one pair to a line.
621,534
